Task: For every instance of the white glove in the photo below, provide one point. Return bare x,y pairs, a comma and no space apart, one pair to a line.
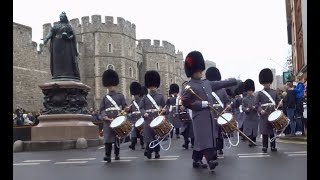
204,104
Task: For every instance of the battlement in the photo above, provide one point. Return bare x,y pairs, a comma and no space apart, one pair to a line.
166,47
94,23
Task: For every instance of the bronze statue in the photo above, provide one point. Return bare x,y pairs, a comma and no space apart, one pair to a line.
63,50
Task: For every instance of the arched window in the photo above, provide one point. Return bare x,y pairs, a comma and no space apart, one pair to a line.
157,66
110,66
130,72
109,48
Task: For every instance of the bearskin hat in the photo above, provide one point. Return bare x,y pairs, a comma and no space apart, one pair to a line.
194,62
152,78
135,88
265,76
249,85
241,88
144,91
229,92
110,78
213,74
174,88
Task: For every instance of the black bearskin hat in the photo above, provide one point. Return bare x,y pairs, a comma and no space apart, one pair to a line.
241,88
110,78
144,91
152,78
194,62
174,88
213,74
135,88
229,92
249,85
265,76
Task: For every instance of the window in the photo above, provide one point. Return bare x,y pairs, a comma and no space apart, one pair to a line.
110,66
109,48
130,72
171,81
157,66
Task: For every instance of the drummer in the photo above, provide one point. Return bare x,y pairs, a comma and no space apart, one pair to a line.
221,103
110,107
151,105
266,102
172,106
251,117
135,114
204,127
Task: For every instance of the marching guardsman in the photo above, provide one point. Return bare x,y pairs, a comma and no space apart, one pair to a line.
150,106
266,101
237,106
251,117
110,107
221,101
135,114
197,97
172,106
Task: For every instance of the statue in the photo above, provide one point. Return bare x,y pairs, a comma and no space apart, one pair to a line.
63,50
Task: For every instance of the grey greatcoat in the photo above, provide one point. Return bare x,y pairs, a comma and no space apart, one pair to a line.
265,126
173,112
205,128
238,113
145,106
109,134
134,115
186,128
251,117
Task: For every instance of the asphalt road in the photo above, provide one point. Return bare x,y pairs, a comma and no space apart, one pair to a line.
238,163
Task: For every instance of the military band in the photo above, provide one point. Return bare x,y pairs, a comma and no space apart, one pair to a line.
192,110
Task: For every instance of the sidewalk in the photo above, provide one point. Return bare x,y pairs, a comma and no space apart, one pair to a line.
295,138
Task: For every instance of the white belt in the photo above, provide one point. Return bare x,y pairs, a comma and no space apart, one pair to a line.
112,109
216,105
152,110
267,104
136,112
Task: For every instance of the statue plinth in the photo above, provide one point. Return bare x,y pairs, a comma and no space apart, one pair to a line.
65,116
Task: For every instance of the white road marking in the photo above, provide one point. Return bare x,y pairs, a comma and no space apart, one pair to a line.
251,154
126,158
20,164
255,156
170,156
72,162
163,159
101,147
31,161
220,157
83,159
297,154
121,160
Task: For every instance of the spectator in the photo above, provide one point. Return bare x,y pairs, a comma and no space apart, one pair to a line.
299,93
27,120
290,102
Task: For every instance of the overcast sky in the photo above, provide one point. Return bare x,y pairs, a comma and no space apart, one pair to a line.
238,35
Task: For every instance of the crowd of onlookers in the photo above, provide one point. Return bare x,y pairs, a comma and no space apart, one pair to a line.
21,117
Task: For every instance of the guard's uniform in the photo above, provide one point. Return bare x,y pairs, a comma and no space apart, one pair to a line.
262,102
109,109
152,79
204,127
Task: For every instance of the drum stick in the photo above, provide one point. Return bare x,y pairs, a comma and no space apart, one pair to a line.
279,104
191,90
161,110
226,108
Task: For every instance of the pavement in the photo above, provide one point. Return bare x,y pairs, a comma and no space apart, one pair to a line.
237,163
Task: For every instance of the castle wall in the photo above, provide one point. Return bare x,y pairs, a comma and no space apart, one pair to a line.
30,69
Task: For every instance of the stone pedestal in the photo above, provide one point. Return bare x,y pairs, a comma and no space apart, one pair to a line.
65,117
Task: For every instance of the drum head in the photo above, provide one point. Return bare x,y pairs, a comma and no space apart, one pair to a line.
156,121
117,121
139,122
227,116
274,115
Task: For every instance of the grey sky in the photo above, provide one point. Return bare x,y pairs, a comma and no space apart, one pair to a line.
239,36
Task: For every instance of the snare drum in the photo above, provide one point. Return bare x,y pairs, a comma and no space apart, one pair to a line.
230,126
121,126
161,126
278,120
139,125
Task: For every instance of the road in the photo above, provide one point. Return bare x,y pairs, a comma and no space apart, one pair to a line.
238,163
